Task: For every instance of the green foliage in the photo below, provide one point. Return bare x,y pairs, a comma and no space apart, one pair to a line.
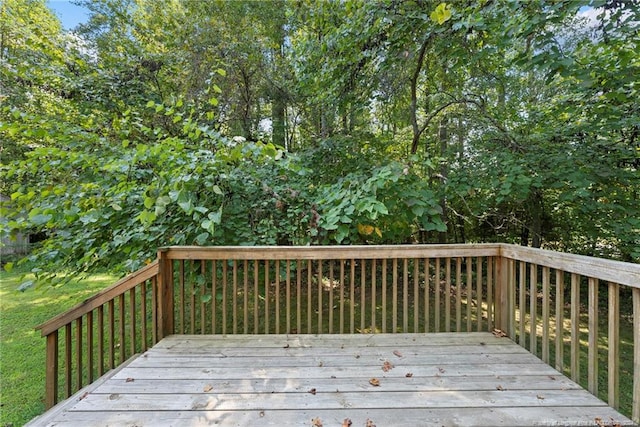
386,204
392,123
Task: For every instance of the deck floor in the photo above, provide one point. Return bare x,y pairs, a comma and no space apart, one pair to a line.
445,379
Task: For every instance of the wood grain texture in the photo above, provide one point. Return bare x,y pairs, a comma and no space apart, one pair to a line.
424,379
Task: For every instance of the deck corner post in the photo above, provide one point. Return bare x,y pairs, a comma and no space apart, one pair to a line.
165,295
503,292
51,375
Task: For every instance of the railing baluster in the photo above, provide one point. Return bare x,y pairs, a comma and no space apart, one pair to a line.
384,296
68,360
331,284
299,296
490,287
469,289
458,294
447,296
575,327
560,320
614,346
90,347
256,295
78,330
182,303
121,327
132,321
394,296
111,320
192,298
479,294
352,297
203,293
51,387
416,294
342,296
309,301
436,291
373,294
143,319
319,296
154,310
533,302
545,314
635,414
214,296
100,340
363,292
234,297
277,296
427,290
405,296
522,308
511,302
593,336
225,282
288,295
245,295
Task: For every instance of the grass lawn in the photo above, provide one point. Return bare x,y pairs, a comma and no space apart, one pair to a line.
22,350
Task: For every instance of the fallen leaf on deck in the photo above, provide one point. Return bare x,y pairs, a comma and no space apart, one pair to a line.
539,396
84,395
499,333
316,422
312,391
441,370
369,423
397,353
409,375
374,382
129,380
207,388
387,366
261,414
286,346
346,423
552,377
499,388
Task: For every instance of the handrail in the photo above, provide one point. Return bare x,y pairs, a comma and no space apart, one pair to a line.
623,273
92,331
331,252
99,299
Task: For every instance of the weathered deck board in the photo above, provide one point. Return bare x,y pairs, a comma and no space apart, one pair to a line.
435,379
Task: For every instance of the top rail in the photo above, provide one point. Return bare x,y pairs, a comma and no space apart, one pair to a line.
623,273
330,252
98,299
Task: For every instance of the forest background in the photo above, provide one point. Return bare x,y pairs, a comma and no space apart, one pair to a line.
166,122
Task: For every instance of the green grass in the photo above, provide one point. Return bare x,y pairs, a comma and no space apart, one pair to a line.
22,349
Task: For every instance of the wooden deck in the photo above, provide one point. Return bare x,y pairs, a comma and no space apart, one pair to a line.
444,379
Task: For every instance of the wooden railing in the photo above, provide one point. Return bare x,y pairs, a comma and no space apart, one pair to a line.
101,333
532,295
567,309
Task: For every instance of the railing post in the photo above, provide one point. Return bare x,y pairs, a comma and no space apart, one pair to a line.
503,300
51,388
165,295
